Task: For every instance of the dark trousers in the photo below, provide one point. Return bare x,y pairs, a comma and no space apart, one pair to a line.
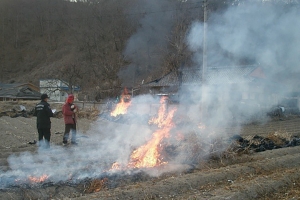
70,128
44,137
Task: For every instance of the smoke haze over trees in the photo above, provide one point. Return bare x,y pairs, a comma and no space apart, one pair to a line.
103,46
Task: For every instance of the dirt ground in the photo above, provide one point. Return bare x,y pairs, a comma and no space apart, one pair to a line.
271,174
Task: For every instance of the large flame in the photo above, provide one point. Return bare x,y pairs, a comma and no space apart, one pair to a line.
148,155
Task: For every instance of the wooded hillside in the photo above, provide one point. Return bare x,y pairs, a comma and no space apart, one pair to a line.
98,45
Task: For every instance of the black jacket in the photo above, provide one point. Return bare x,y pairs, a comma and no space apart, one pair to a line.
43,113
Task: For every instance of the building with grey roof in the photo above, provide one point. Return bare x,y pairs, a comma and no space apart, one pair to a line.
19,91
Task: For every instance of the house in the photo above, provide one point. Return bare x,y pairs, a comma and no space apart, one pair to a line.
56,89
214,76
243,83
19,91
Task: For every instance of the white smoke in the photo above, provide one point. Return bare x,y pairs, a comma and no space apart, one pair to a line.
265,34
268,35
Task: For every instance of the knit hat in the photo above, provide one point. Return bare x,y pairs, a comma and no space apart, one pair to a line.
70,98
44,96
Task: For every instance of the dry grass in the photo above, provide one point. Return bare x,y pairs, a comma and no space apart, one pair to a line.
92,114
280,137
97,185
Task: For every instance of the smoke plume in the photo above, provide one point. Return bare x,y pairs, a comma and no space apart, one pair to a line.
262,34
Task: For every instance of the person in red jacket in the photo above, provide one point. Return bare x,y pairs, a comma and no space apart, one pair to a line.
69,112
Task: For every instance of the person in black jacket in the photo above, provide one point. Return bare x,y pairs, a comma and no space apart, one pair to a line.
43,113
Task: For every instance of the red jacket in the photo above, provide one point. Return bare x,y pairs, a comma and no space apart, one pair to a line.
69,114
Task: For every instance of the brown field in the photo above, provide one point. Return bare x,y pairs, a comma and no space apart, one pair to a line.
271,174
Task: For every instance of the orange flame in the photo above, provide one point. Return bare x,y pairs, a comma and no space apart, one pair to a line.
160,119
40,179
121,108
123,105
148,155
115,166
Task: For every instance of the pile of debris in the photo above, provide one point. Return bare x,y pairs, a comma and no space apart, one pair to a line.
258,143
22,112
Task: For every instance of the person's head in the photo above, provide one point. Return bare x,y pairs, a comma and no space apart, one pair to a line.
70,98
44,97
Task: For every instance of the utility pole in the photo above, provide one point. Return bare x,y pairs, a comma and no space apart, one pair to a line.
204,62
3,47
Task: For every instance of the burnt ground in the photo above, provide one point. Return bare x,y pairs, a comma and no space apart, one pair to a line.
238,173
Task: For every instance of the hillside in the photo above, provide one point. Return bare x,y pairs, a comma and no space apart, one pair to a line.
98,45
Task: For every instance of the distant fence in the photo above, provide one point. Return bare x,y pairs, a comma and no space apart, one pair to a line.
90,105
85,105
